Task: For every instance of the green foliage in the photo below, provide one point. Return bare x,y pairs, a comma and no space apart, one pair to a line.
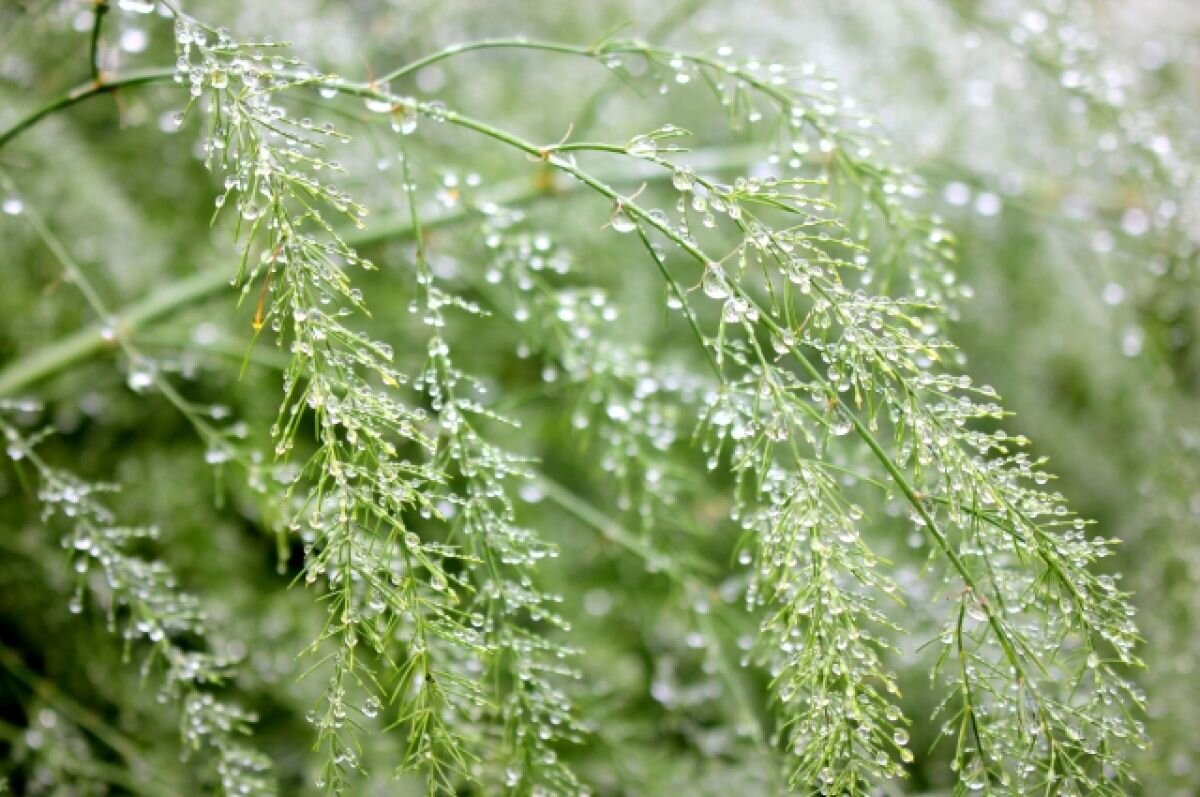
510,499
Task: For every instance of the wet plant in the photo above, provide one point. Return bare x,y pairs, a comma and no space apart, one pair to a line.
820,500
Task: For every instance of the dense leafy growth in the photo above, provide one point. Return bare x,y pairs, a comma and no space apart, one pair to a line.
624,455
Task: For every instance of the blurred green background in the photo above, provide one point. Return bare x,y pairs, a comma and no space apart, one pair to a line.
1058,139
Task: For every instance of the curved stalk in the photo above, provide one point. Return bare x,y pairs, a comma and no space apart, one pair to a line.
93,88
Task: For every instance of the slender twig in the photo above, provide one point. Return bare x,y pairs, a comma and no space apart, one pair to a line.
81,345
83,92
99,9
486,44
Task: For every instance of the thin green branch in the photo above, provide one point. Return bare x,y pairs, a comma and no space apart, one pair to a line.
93,88
487,44
100,9
79,346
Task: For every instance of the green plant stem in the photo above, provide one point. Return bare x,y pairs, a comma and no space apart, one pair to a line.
93,88
489,44
115,334
89,341
99,9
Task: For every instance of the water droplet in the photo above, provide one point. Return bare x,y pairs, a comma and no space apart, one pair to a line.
1135,222
783,342
1131,341
722,417
642,147
617,412
13,206
377,105
957,194
683,178
108,330
405,117
133,40
621,222
137,6
733,311
216,455
840,424
987,204
713,282
141,377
